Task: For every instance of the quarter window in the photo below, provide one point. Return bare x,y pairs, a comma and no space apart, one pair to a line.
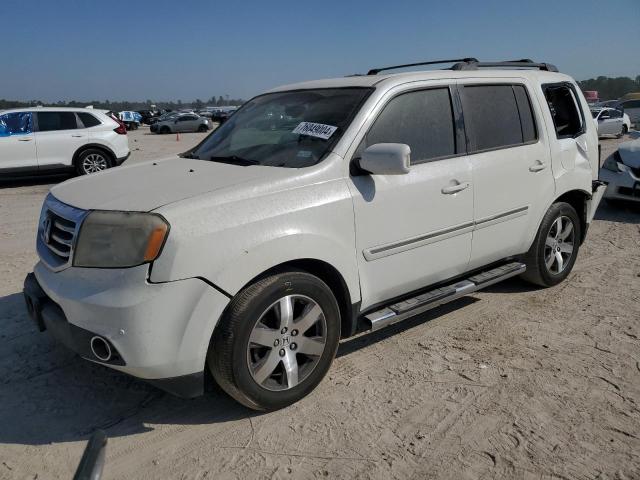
566,113
421,119
52,121
497,116
18,123
88,120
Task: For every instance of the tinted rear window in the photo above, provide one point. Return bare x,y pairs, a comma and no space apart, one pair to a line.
491,117
51,121
88,120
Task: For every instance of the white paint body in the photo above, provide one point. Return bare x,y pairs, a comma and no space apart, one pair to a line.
231,223
54,149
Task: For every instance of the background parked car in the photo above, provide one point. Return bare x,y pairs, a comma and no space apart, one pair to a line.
147,115
611,121
46,140
181,123
622,173
631,108
130,119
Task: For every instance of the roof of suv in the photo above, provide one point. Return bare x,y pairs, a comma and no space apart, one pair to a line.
536,76
54,109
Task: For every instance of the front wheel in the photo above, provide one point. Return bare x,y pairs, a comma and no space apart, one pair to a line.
276,341
555,248
202,128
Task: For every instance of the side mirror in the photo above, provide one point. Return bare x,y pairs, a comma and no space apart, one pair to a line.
386,159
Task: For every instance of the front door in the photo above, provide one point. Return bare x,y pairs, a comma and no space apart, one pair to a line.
512,175
17,143
413,229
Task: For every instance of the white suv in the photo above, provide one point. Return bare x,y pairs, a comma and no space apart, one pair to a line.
49,140
319,210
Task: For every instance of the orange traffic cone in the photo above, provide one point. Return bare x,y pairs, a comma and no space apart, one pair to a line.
177,137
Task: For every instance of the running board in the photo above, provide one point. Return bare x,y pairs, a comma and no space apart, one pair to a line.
413,306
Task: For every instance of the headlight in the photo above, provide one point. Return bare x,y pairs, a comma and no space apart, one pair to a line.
614,163
119,239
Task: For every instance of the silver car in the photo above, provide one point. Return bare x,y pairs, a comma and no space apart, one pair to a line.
181,123
622,172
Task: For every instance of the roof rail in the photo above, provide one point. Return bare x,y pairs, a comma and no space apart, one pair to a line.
523,63
457,61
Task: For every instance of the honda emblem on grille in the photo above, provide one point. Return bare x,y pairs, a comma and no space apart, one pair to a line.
46,229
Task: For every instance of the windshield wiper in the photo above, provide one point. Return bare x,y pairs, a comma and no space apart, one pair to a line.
191,155
234,159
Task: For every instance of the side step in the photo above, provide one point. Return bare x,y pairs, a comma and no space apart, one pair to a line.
413,306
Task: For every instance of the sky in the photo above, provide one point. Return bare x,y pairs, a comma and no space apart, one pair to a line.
169,50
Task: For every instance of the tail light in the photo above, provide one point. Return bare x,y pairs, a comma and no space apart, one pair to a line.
121,129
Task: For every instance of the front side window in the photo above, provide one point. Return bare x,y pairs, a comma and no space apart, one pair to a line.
565,111
422,119
18,123
292,129
497,116
52,121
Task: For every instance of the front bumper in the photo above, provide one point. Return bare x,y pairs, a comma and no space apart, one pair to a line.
156,332
622,185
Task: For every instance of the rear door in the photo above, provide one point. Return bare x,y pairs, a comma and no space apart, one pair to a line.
509,155
414,229
187,123
58,137
17,142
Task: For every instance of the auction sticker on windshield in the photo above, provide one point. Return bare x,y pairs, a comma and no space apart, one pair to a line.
319,130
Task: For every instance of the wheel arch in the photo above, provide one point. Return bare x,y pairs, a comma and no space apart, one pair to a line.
578,200
334,280
92,146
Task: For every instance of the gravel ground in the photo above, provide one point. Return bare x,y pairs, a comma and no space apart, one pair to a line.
512,382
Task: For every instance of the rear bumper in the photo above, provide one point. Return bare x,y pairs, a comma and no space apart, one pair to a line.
156,332
120,161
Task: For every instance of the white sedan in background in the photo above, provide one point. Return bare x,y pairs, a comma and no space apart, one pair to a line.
611,121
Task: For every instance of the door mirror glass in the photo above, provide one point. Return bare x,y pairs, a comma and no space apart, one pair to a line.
386,159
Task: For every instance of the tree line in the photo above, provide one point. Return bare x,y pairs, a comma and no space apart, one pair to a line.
120,105
611,88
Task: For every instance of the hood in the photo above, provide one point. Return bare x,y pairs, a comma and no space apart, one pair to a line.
148,186
630,153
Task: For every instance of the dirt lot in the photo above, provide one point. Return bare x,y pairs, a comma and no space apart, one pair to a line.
513,382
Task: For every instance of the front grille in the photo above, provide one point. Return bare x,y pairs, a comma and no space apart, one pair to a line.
57,232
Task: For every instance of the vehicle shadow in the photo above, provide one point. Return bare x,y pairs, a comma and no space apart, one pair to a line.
30,181
622,212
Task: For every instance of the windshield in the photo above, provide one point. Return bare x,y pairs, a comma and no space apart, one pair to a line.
292,129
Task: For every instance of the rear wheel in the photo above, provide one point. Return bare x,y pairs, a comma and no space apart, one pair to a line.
625,130
92,161
555,248
164,130
202,128
277,340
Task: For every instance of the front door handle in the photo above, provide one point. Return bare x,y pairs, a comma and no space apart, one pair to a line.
24,139
458,187
538,166
76,136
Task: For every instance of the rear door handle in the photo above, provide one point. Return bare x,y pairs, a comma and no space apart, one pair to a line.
24,139
77,136
455,188
536,167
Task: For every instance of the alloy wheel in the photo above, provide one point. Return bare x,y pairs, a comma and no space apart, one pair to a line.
94,162
287,342
559,245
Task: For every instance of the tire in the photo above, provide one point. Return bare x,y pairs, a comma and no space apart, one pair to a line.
552,241
202,128
260,358
164,130
625,130
93,160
